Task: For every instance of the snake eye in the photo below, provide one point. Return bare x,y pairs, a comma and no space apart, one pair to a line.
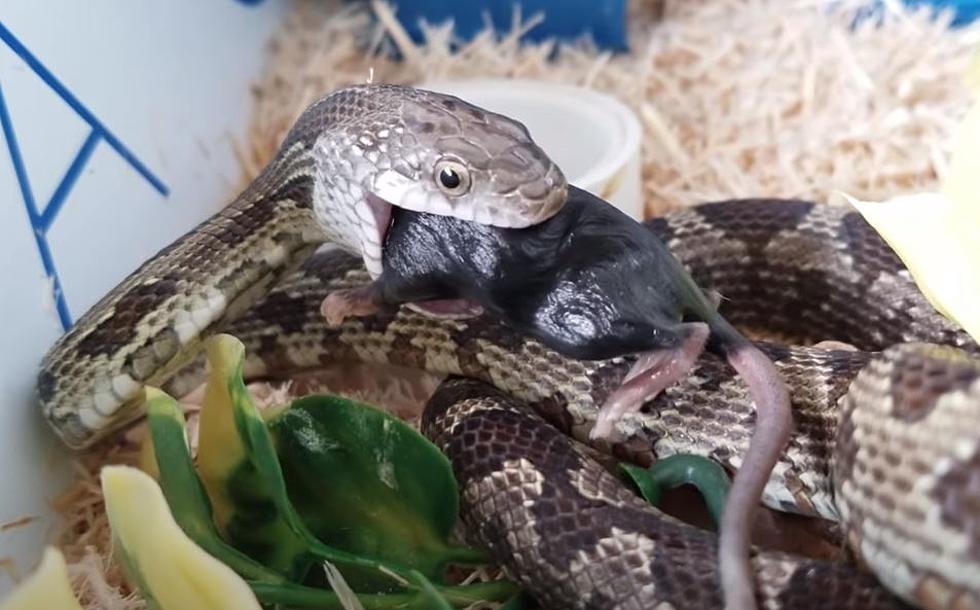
452,178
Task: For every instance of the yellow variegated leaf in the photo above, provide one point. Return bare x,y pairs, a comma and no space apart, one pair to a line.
962,179
170,570
937,235
939,241
147,457
48,587
220,449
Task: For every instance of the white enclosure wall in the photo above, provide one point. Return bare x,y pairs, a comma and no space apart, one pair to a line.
118,120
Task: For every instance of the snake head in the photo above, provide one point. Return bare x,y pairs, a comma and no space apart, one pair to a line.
383,146
452,158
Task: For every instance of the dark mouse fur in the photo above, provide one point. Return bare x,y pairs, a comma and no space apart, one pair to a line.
593,283
590,282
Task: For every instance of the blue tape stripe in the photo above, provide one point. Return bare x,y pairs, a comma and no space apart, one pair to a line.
80,108
18,161
68,181
47,261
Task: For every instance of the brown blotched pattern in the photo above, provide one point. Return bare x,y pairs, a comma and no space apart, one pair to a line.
151,325
905,447
907,473
574,537
807,271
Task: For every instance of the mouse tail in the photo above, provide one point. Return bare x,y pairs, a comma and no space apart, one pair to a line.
772,428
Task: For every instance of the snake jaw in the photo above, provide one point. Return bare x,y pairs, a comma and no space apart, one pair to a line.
488,202
375,220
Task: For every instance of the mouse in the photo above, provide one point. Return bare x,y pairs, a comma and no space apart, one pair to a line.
591,283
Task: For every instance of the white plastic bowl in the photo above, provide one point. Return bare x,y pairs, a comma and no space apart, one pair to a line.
593,137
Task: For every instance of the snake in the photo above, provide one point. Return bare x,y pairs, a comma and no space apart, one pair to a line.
887,436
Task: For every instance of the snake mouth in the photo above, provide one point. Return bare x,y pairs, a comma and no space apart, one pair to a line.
375,236
381,211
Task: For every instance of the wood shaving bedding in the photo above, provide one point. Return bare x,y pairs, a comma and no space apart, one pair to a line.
737,98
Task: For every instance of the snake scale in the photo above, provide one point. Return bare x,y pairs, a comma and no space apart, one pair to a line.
886,439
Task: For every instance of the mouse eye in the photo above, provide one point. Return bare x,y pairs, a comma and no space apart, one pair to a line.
452,178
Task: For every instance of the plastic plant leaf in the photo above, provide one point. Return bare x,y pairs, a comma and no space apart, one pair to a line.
939,242
255,479
173,468
244,508
262,520
170,570
937,235
707,476
192,511
429,597
521,601
221,451
366,482
47,587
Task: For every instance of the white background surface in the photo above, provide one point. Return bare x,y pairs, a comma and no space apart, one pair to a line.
169,78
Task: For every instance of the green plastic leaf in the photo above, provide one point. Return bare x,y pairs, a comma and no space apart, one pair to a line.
707,476
521,601
183,490
366,482
260,518
429,597
244,507
190,511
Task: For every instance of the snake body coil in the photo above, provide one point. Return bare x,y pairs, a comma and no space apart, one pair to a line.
888,491
898,458
572,533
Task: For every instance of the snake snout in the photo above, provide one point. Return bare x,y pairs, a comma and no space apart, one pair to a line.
472,164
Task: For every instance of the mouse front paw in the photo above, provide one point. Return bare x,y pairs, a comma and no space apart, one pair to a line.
350,302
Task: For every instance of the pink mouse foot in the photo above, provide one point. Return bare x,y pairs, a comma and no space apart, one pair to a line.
652,373
350,302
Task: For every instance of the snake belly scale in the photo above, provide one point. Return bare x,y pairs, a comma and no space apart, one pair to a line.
249,271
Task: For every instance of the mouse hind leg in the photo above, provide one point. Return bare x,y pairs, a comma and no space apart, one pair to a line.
351,303
652,373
